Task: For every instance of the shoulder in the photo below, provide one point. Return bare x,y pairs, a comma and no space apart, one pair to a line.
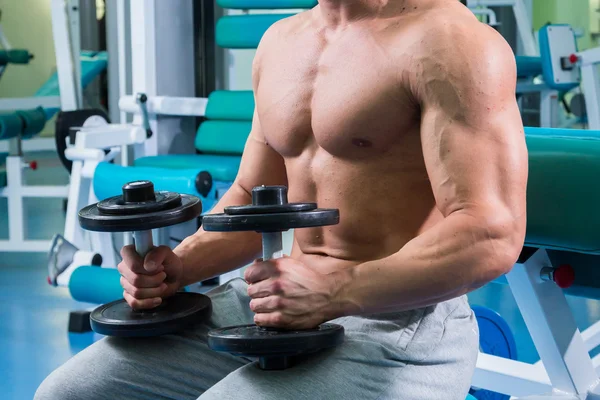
455,45
279,34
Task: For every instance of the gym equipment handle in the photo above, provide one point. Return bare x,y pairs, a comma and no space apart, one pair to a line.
143,242
272,244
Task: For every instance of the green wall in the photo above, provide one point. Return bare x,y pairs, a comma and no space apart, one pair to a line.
27,24
576,13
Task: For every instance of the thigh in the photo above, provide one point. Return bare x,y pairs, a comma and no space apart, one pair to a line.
415,355
179,366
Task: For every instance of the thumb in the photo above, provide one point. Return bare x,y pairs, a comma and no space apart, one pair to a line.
154,261
164,257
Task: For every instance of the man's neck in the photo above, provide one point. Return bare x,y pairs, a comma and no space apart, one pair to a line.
341,12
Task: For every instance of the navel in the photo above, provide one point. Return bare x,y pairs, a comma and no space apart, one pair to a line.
361,142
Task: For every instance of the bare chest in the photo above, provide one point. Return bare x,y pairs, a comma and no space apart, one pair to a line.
344,97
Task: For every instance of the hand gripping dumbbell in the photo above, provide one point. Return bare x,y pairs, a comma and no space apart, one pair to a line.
271,214
139,210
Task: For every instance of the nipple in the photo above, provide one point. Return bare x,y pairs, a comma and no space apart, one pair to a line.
361,142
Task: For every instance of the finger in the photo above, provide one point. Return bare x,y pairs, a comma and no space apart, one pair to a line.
141,281
134,261
142,293
267,304
259,271
141,304
162,258
268,287
274,319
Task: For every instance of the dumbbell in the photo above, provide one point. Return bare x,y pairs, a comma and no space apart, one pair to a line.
270,214
139,210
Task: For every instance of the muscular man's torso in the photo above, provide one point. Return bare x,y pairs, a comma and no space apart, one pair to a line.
339,108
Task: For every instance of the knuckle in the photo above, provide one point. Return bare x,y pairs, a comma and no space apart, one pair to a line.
122,267
277,286
278,302
137,280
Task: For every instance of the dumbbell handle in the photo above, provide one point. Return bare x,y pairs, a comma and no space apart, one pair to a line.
143,242
272,244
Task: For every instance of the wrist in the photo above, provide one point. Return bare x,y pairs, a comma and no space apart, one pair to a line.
342,301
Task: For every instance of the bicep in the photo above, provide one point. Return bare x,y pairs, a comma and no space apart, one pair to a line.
473,141
260,164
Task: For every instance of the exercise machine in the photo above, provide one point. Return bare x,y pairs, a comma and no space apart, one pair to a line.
27,117
566,68
560,257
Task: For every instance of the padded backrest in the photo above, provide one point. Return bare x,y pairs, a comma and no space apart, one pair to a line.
564,190
244,31
229,115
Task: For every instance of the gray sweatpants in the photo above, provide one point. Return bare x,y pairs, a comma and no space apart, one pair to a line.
424,354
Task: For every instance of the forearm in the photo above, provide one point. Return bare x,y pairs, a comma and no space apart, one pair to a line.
208,254
453,258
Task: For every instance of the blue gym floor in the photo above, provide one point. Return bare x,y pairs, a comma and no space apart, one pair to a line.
33,316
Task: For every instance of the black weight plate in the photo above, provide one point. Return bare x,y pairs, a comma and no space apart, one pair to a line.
253,341
270,222
270,209
91,219
174,314
116,205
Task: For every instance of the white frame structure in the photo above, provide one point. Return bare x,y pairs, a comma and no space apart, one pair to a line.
65,25
590,81
566,370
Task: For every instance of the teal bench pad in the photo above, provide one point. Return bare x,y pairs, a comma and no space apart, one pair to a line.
14,56
230,105
92,65
244,31
563,191
26,123
529,67
221,168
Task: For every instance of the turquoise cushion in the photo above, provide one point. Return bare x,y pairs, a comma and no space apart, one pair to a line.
266,4
222,168
106,284
469,397
230,105
563,193
92,64
27,123
2,177
528,67
11,125
244,31
14,56
33,121
223,137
